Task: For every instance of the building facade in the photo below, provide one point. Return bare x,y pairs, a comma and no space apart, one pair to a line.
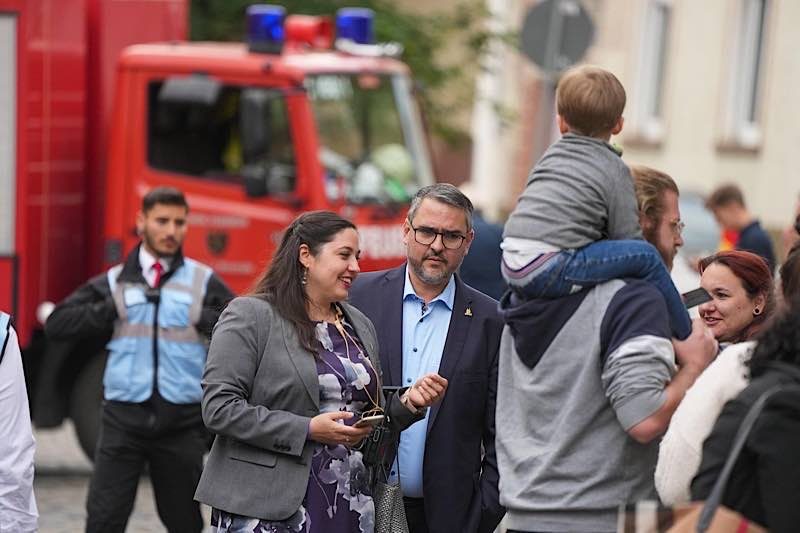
710,97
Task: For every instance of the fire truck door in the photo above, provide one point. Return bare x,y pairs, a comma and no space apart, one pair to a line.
8,164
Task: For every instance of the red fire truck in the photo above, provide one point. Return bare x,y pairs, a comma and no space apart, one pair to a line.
307,115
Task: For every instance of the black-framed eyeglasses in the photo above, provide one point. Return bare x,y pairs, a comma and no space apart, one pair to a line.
452,240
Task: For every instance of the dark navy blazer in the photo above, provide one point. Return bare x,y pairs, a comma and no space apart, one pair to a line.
459,484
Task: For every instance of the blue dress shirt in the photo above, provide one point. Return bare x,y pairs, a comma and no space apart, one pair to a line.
424,333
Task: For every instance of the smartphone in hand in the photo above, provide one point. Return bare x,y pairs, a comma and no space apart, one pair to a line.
370,421
695,297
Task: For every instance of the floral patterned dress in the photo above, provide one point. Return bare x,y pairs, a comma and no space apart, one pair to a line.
337,498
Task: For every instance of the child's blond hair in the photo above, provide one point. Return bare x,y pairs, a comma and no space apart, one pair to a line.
591,100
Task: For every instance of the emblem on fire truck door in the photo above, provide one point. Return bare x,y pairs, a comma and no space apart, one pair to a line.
216,241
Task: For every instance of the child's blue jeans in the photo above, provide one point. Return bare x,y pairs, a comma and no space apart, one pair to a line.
571,270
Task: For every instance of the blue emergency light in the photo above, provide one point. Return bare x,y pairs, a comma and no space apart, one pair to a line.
355,24
265,32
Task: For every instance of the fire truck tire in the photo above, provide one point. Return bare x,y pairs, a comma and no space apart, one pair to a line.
85,400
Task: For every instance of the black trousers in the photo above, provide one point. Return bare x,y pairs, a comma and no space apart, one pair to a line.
175,462
415,515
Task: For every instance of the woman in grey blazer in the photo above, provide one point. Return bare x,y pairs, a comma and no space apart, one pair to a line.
290,369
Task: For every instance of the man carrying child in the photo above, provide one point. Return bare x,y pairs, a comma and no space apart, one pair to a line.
587,375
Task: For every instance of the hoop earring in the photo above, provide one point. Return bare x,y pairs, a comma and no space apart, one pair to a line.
304,277
756,311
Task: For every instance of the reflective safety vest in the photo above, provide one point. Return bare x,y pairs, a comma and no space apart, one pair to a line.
177,364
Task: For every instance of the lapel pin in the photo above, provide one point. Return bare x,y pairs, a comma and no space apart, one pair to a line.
468,312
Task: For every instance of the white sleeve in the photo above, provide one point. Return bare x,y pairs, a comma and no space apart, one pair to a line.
682,445
17,503
519,252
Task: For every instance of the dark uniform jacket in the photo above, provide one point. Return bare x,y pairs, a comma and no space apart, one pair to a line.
90,312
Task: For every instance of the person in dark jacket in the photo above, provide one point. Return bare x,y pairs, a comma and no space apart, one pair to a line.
159,308
480,268
764,485
727,204
428,320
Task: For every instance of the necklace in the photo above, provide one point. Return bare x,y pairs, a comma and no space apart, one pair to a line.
347,338
325,316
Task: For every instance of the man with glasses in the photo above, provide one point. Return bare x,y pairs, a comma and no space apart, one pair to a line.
659,215
588,383
428,320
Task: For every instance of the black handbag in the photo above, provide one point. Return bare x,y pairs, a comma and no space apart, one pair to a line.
379,450
387,495
380,446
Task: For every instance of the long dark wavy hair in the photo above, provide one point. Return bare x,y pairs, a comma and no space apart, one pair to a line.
756,278
281,284
781,340
790,275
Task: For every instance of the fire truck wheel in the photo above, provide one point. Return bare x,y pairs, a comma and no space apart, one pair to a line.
85,400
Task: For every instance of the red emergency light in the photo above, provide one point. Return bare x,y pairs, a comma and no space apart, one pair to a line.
309,31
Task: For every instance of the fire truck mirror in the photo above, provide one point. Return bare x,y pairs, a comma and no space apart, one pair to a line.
255,183
259,109
194,89
255,121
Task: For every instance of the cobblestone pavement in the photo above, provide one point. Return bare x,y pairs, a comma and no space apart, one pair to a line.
62,481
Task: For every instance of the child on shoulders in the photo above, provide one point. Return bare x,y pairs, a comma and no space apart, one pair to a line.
576,224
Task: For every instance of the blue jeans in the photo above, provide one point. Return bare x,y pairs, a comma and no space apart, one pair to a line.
572,270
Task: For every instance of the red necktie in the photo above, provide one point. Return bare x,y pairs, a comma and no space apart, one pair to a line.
159,269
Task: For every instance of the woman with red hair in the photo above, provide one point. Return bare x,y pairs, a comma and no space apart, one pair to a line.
740,285
764,484
741,288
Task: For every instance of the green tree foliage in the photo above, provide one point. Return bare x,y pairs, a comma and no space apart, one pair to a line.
447,87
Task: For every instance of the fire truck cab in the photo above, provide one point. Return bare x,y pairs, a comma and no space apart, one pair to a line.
255,137
309,114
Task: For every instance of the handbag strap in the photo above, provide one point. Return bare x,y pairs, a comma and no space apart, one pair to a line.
715,497
395,445
386,471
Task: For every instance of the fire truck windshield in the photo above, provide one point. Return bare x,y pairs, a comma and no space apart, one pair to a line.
371,142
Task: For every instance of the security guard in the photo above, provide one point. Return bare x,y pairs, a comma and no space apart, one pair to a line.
161,307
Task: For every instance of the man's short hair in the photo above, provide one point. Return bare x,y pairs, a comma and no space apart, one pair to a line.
445,193
590,99
650,185
725,195
164,196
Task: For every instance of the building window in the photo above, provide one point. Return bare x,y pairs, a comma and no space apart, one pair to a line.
8,132
747,71
649,107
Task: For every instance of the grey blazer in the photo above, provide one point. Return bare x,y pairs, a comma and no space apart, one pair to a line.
260,391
